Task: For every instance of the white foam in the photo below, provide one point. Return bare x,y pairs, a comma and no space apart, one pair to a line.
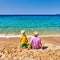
12,35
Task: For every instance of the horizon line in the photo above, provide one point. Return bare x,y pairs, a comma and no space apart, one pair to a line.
29,14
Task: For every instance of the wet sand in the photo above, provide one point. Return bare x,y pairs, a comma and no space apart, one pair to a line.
10,49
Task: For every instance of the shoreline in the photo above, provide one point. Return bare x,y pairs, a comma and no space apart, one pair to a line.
53,39
14,35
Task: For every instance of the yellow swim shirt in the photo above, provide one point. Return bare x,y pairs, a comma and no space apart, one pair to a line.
23,39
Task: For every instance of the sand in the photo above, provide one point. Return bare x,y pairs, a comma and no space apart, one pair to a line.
10,49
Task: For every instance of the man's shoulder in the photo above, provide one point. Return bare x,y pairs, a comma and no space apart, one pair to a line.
32,37
39,38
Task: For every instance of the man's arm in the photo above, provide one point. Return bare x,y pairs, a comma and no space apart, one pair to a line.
40,43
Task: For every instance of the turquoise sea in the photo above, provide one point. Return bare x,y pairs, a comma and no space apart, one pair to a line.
45,24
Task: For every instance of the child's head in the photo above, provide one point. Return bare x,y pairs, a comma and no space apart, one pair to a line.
36,33
22,32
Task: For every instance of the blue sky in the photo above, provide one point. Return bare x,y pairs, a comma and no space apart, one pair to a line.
29,6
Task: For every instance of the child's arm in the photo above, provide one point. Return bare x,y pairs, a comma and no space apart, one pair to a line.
29,46
26,39
30,43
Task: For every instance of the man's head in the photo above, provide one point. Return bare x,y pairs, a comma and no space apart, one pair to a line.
36,33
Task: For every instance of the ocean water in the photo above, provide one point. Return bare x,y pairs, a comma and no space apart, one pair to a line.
13,24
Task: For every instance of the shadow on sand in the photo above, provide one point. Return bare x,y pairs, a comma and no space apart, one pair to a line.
44,47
